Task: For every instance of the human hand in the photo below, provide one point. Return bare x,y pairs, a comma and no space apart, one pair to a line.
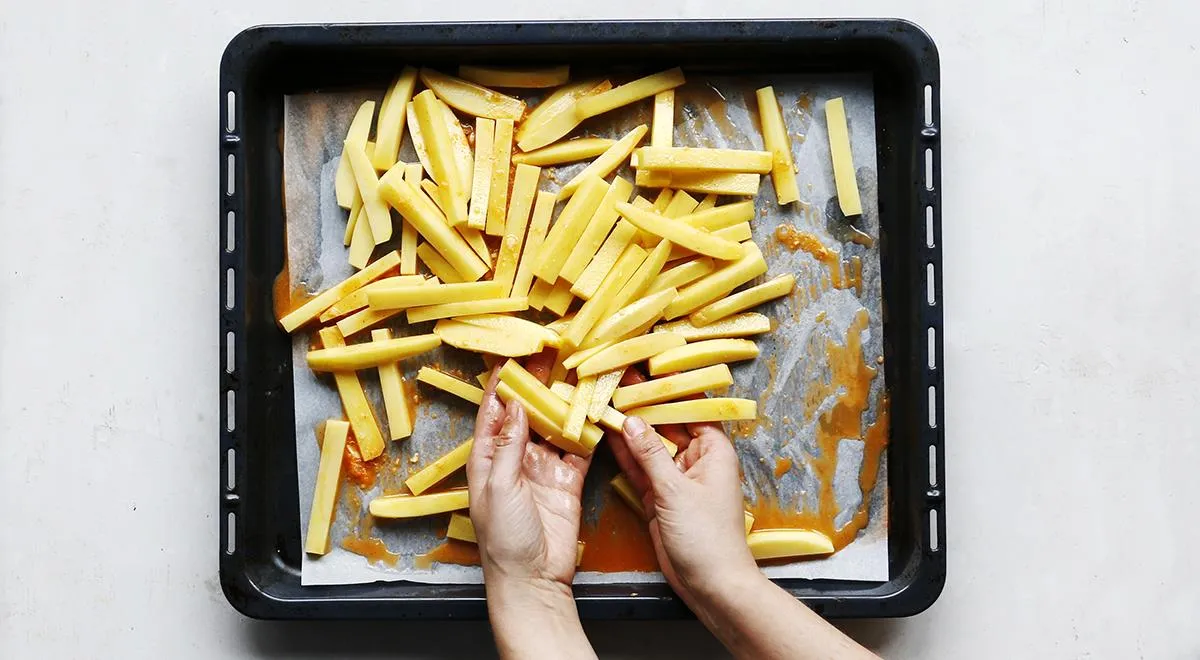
525,499
694,503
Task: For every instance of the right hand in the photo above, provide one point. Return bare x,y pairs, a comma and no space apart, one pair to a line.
694,503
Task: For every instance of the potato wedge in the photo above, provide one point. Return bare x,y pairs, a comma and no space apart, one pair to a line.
486,340
437,264
481,176
539,78
606,384
776,141
702,354
568,228
783,543
395,403
559,298
607,162
540,422
368,189
843,160
568,151
327,298
717,409
461,528
354,402
329,473
513,325
415,506
696,240
372,354
447,383
389,128
431,474
501,164
673,387
405,296
363,319
597,229
344,185
719,283
450,310
431,119
556,116
743,300
630,92
630,351
472,99
543,208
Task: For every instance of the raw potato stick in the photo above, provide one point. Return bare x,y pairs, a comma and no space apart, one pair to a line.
581,398
673,387
395,403
702,354
371,354
663,126
432,122
438,470
609,417
345,187
437,264
679,233
608,161
525,183
555,117
481,178
776,140
362,243
449,310
471,98
415,506
620,324
408,233
630,351
448,383
540,422
543,208
567,229
329,473
843,161
717,409
501,156
718,183
720,217
606,384
368,188
324,300
606,257
568,151
403,297
743,300
629,93
428,220
516,78
486,340
358,299
597,229
697,159
354,402
639,282
682,274
713,286
389,128
588,315
781,543
738,325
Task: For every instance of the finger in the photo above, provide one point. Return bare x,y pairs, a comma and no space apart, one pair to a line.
487,425
540,364
628,464
697,429
510,446
676,433
578,465
650,453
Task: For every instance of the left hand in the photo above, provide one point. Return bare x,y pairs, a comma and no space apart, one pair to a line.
525,498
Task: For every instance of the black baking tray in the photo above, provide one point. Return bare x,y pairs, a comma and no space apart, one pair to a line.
260,529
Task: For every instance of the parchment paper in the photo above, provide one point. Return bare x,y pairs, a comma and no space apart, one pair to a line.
710,112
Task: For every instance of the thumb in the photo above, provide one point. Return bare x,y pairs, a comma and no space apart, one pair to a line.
650,453
510,445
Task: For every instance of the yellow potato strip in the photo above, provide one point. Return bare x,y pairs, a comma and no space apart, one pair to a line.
663,125
630,351
408,233
702,354
438,470
566,230
403,297
568,151
719,283
344,184
414,506
782,543
471,98
448,310
437,264
775,139
448,383
718,409
543,208
501,163
358,299
606,257
597,229
389,129
606,384
619,325
525,183
372,354
329,472
696,159
594,308
354,402
608,161
555,117
673,387
629,93
324,300
516,78
680,233
432,122
843,161
718,183
428,220
481,177
395,403
743,300
682,274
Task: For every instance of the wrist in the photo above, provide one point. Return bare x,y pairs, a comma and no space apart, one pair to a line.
725,588
533,617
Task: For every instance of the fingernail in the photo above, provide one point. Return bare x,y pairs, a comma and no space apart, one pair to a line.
634,426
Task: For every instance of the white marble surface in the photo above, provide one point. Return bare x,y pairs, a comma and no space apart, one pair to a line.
1072,331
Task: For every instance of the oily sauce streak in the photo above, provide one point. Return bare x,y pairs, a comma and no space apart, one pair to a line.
793,239
361,473
449,552
372,548
782,465
619,540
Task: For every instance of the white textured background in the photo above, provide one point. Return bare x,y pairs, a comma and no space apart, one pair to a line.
1072,331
